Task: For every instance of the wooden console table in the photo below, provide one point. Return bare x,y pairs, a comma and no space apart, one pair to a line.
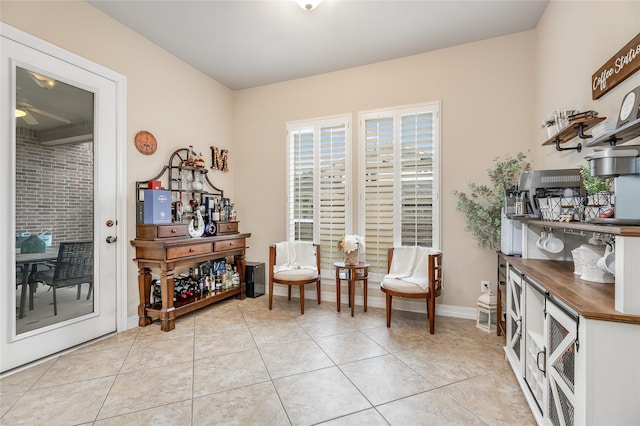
157,246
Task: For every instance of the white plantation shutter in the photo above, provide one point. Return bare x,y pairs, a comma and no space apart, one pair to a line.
318,179
301,191
417,180
333,191
379,182
399,180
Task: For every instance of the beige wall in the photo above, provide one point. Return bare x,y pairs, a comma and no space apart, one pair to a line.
494,95
574,39
486,91
178,104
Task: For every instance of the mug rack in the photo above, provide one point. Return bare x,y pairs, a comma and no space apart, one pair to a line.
172,175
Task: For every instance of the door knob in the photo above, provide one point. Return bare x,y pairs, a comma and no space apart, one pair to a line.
111,239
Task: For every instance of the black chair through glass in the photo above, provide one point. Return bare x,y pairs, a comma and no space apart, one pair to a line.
73,267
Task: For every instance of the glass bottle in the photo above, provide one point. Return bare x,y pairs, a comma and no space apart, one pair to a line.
191,156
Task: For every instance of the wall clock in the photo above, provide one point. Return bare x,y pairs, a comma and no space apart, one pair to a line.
630,107
145,142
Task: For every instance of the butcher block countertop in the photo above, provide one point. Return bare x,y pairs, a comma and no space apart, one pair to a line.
589,299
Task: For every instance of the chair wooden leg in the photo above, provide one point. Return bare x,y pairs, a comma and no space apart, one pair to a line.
90,290
431,311
388,310
270,294
318,290
301,299
289,293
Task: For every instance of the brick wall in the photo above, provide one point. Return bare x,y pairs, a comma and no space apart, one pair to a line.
54,188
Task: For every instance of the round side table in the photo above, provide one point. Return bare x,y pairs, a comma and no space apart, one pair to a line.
351,274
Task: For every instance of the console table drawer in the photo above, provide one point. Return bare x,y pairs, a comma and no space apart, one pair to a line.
157,232
228,244
186,251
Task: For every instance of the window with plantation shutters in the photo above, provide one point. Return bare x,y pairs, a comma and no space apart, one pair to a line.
318,181
399,180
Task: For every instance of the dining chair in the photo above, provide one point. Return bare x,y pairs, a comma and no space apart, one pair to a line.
294,264
414,272
73,267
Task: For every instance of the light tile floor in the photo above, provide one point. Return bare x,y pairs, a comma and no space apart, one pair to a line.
237,363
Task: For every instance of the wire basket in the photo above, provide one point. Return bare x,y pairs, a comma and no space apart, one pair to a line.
552,208
597,203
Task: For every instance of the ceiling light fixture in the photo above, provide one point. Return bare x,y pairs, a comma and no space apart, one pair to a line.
20,113
308,4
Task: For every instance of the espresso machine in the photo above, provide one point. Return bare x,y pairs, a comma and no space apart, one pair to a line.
623,164
536,186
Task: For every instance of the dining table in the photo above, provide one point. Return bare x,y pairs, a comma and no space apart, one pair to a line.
28,264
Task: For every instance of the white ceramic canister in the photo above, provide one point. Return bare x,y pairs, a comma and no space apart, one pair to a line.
590,271
578,261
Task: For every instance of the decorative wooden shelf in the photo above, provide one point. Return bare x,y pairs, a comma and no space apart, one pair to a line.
623,134
575,128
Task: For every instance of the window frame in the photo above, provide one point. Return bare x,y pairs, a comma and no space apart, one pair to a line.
396,113
316,124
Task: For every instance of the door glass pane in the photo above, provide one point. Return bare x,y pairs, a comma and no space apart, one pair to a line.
54,201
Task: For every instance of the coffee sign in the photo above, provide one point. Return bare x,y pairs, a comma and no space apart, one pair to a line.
617,69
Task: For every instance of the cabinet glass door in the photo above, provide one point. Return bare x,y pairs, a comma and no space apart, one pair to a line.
535,352
561,330
515,313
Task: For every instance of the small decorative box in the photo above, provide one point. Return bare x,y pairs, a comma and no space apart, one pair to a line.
157,206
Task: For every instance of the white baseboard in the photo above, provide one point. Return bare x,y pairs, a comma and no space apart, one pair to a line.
398,303
132,322
374,301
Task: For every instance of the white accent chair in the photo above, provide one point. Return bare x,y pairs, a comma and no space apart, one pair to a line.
294,264
414,272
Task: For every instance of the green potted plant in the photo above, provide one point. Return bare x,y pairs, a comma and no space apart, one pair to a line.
598,189
484,203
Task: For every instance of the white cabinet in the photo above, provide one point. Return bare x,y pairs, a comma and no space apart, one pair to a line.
572,369
541,349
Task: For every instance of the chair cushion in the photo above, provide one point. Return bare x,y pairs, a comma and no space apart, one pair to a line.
401,286
296,274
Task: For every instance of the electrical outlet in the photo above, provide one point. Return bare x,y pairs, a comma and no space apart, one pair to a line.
484,286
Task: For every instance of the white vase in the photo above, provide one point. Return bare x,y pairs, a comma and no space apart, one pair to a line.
351,258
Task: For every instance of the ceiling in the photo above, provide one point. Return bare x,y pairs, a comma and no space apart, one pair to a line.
244,44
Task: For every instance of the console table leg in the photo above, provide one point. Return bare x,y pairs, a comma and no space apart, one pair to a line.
167,313
144,288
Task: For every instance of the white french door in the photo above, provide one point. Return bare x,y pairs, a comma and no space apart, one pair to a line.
59,182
